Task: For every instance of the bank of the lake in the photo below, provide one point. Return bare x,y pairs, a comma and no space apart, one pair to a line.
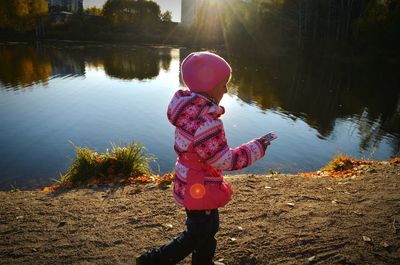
272,219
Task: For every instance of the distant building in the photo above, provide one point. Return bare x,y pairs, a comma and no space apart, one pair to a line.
188,11
72,6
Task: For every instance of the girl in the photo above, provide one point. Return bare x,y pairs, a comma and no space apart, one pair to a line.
203,153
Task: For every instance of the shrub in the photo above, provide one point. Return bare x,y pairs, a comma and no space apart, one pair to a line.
339,163
112,166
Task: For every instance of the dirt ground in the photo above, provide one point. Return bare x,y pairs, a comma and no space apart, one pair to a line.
272,219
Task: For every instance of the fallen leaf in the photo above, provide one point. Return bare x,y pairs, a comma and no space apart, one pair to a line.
311,258
169,225
366,239
240,228
385,244
233,239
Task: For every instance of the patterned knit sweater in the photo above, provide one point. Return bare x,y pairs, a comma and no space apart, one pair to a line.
200,132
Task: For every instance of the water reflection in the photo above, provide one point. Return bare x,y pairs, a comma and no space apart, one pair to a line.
322,91
318,106
65,64
314,89
137,64
23,66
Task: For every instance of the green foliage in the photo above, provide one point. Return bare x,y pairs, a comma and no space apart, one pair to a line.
22,14
94,11
132,12
14,188
338,163
122,162
130,160
265,24
166,16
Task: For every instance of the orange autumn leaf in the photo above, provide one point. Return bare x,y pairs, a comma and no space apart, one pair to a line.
340,167
395,160
166,178
51,188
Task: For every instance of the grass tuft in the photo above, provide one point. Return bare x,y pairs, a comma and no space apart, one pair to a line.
121,162
339,163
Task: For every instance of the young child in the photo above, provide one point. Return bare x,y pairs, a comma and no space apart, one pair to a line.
203,152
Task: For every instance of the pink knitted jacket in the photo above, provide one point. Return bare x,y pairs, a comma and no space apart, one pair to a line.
203,152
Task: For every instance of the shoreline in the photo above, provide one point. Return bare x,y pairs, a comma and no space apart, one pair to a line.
339,55
272,219
359,166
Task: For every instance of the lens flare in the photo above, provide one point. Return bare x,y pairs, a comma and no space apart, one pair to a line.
197,191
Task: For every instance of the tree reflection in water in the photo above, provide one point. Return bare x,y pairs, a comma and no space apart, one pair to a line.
23,66
137,64
319,91
322,91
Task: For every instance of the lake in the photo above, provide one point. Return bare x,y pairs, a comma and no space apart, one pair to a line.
55,95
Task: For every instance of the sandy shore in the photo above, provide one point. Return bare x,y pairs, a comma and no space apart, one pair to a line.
272,219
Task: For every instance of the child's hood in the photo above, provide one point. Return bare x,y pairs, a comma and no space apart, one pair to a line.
188,109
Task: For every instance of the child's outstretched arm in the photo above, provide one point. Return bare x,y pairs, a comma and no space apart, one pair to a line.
211,145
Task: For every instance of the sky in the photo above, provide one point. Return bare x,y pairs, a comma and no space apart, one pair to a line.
172,5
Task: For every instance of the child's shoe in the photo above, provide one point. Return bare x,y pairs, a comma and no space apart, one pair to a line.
140,261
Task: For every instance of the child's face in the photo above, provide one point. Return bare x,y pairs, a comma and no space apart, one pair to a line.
218,92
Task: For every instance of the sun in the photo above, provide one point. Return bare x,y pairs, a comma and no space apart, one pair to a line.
214,20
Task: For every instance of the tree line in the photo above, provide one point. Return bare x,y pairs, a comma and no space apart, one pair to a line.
253,23
22,15
364,25
26,15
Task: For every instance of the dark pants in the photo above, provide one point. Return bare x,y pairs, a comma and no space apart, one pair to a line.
198,239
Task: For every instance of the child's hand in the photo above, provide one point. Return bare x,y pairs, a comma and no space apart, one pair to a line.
270,136
264,142
266,139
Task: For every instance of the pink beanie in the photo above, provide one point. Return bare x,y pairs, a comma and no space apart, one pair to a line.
202,71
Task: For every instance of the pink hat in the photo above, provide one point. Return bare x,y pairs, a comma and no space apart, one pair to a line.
202,71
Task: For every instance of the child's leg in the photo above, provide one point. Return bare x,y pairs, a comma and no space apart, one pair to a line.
201,228
203,253
170,253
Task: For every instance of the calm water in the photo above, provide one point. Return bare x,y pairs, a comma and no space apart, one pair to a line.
92,95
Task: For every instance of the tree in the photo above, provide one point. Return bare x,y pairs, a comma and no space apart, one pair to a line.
22,14
166,16
137,12
94,11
